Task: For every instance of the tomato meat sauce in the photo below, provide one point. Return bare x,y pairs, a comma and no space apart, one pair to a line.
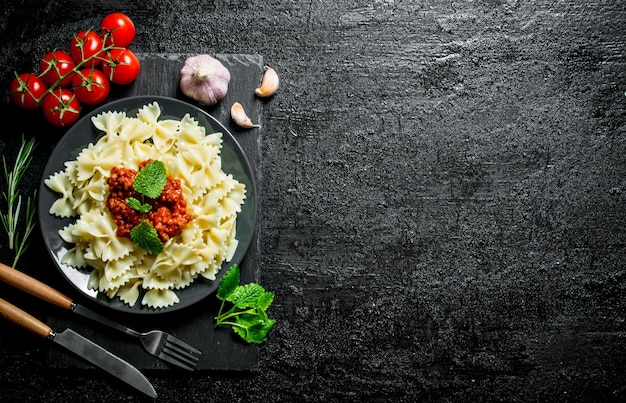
168,214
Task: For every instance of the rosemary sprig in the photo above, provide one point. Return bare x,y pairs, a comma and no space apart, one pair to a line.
10,219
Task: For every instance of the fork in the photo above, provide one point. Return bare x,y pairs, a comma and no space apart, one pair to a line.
158,343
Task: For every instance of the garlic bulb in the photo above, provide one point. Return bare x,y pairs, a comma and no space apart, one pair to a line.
204,79
239,116
269,84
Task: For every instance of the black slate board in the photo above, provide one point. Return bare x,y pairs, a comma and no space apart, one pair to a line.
222,350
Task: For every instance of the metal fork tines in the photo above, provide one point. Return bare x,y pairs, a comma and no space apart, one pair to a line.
156,342
169,348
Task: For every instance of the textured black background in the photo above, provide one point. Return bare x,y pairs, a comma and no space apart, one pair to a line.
443,196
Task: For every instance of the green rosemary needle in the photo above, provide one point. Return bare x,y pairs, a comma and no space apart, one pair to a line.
10,219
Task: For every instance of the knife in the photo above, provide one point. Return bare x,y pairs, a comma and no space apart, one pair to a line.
156,342
81,346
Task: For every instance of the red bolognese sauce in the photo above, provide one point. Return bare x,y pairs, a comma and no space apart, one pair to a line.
168,214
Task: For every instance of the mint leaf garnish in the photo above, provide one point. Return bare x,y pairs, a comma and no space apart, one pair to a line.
248,314
228,283
136,205
151,179
150,182
246,296
254,328
133,203
265,300
146,237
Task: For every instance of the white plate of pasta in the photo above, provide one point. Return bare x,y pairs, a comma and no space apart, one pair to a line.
82,226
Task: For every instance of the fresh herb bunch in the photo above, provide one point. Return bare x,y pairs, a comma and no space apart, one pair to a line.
10,219
248,314
149,182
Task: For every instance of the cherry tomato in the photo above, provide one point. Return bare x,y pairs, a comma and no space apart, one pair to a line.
26,90
86,46
121,66
61,107
118,30
57,64
91,86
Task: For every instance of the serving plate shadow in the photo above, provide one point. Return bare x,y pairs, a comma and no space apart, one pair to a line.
80,135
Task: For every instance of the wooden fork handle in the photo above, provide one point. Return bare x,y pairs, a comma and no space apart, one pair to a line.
14,314
34,287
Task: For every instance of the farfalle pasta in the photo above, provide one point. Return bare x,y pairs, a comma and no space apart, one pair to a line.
120,268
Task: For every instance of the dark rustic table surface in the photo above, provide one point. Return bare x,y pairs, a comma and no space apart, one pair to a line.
442,198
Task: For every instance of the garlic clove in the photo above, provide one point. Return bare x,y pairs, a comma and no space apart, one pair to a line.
269,84
239,116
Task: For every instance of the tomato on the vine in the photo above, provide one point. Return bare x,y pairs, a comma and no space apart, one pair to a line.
61,107
86,45
83,75
91,86
26,90
121,66
117,29
56,64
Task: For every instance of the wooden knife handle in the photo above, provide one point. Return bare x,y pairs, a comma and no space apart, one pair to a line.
34,287
14,314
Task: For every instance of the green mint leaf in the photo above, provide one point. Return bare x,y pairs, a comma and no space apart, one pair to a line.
247,320
228,283
151,179
246,296
258,333
136,205
253,329
265,300
242,332
133,203
146,237
247,317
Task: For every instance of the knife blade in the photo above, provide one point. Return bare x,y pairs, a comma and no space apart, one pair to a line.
80,346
